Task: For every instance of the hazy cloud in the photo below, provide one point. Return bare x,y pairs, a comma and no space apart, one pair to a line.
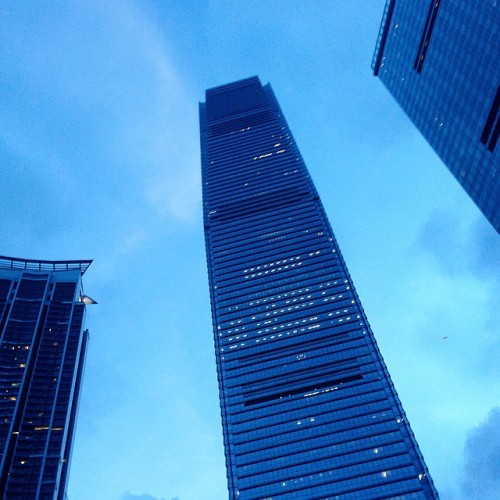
458,244
482,460
486,257
145,496
123,128
466,254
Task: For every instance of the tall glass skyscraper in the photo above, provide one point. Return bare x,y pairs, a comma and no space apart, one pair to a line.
440,61
42,352
308,408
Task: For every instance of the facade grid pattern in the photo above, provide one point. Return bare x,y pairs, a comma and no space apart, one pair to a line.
439,60
308,407
42,352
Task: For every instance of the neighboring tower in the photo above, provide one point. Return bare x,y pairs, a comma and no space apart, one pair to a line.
440,61
308,407
42,352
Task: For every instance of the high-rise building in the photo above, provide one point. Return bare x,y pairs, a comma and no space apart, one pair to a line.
440,61
42,352
308,407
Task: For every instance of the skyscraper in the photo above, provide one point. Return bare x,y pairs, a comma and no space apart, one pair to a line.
439,59
42,352
308,407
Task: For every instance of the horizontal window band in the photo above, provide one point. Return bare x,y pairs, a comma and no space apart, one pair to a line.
302,389
251,120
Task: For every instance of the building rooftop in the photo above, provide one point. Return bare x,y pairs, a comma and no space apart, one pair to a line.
43,265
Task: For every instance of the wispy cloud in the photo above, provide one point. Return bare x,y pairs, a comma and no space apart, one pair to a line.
93,109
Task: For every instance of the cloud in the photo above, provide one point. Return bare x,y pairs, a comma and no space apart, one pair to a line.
145,496
176,194
123,127
458,244
442,346
486,258
482,460
464,255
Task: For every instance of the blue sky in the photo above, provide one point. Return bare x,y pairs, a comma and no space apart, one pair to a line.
99,152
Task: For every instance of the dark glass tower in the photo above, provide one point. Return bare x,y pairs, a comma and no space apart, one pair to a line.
42,352
308,408
440,61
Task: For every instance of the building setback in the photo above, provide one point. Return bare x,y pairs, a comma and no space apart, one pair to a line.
440,61
42,352
308,407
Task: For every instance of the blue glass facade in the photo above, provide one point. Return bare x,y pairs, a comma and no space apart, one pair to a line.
439,59
308,408
42,352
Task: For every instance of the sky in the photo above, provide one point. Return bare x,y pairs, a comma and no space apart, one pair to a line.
99,158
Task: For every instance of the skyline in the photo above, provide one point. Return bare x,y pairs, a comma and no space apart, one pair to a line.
99,105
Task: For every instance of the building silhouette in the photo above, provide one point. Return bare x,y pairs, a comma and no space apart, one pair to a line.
42,352
308,407
439,60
